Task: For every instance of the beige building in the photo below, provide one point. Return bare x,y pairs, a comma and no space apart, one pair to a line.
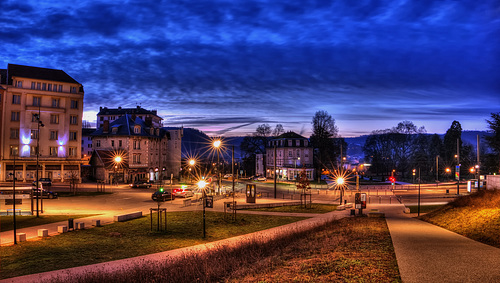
40,108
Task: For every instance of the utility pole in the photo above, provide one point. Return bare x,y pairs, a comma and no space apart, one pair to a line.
275,175
458,167
478,166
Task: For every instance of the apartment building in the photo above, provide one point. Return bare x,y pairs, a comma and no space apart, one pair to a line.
112,114
40,122
130,149
292,153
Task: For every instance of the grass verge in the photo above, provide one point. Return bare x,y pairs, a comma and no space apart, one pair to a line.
347,250
315,208
7,222
126,239
476,216
423,208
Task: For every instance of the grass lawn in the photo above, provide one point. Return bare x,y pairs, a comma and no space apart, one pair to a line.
315,208
476,216
126,239
7,222
423,208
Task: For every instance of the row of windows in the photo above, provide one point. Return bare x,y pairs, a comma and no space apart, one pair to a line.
54,118
37,101
46,86
54,135
136,144
53,151
281,143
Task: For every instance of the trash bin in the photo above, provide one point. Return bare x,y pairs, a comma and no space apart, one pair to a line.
353,212
345,201
447,191
70,224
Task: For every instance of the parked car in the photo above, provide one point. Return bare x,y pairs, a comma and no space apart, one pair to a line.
162,195
260,178
44,193
141,184
44,182
227,176
184,193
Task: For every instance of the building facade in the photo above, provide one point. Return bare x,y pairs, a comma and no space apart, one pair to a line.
145,151
41,122
291,153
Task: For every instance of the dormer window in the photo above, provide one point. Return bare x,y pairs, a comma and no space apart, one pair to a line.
114,130
137,129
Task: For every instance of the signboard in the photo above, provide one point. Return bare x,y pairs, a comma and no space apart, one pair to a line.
209,201
360,200
251,193
457,172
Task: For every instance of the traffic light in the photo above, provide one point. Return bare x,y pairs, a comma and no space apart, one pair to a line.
392,179
161,190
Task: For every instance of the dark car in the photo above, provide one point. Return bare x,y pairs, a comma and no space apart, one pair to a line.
44,194
162,195
141,184
44,182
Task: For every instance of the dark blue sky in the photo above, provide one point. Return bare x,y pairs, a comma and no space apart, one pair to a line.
226,67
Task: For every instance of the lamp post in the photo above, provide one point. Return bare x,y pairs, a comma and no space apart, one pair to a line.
201,185
118,160
39,124
191,163
217,144
14,201
340,183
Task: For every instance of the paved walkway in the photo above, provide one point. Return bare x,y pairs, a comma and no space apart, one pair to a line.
428,253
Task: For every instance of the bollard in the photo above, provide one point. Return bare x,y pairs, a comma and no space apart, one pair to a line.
43,233
96,222
71,224
62,229
21,237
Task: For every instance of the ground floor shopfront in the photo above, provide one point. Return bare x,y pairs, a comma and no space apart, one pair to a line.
290,173
26,170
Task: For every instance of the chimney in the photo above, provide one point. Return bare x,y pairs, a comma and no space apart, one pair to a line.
105,128
134,117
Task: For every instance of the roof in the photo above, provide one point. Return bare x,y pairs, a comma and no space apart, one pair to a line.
38,73
289,135
3,76
123,111
124,126
87,131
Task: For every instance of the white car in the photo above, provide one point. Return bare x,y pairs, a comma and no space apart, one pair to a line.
261,178
184,193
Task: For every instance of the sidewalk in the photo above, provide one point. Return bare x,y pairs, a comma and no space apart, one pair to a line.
428,253
173,254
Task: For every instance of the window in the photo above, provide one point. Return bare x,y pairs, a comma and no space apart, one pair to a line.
137,129
73,120
14,150
14,116
98,143
54,118
72,136
55,102
19,84
60,88
33,85
44,86
72,151
74,105
73,89
290,153
34,134
16,99
112,143
120,143
38,85
37,101
53,135
137,144
53,151
33,150
136,158
14,133
49,87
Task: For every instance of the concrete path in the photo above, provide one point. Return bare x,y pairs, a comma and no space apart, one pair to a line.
428,253
173,254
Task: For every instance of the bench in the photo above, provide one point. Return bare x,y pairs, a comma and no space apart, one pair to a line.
127,216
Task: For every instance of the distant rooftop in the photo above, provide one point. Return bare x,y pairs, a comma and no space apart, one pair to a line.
22,71
123,111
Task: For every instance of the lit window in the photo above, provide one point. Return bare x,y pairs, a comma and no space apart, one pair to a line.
16,99
33,150
54,119
53,151
137,129
14,150
72,151
34,134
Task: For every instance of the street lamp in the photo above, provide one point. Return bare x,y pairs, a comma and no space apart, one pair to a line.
217,144
201,185
191,163
39,124
118,160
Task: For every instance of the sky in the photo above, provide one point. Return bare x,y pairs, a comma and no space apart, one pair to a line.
227,66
